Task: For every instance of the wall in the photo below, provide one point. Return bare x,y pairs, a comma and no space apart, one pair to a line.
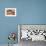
28,12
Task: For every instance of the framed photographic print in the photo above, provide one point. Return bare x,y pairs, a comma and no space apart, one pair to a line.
10,11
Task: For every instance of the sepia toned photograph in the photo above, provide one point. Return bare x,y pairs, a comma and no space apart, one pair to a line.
10,11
